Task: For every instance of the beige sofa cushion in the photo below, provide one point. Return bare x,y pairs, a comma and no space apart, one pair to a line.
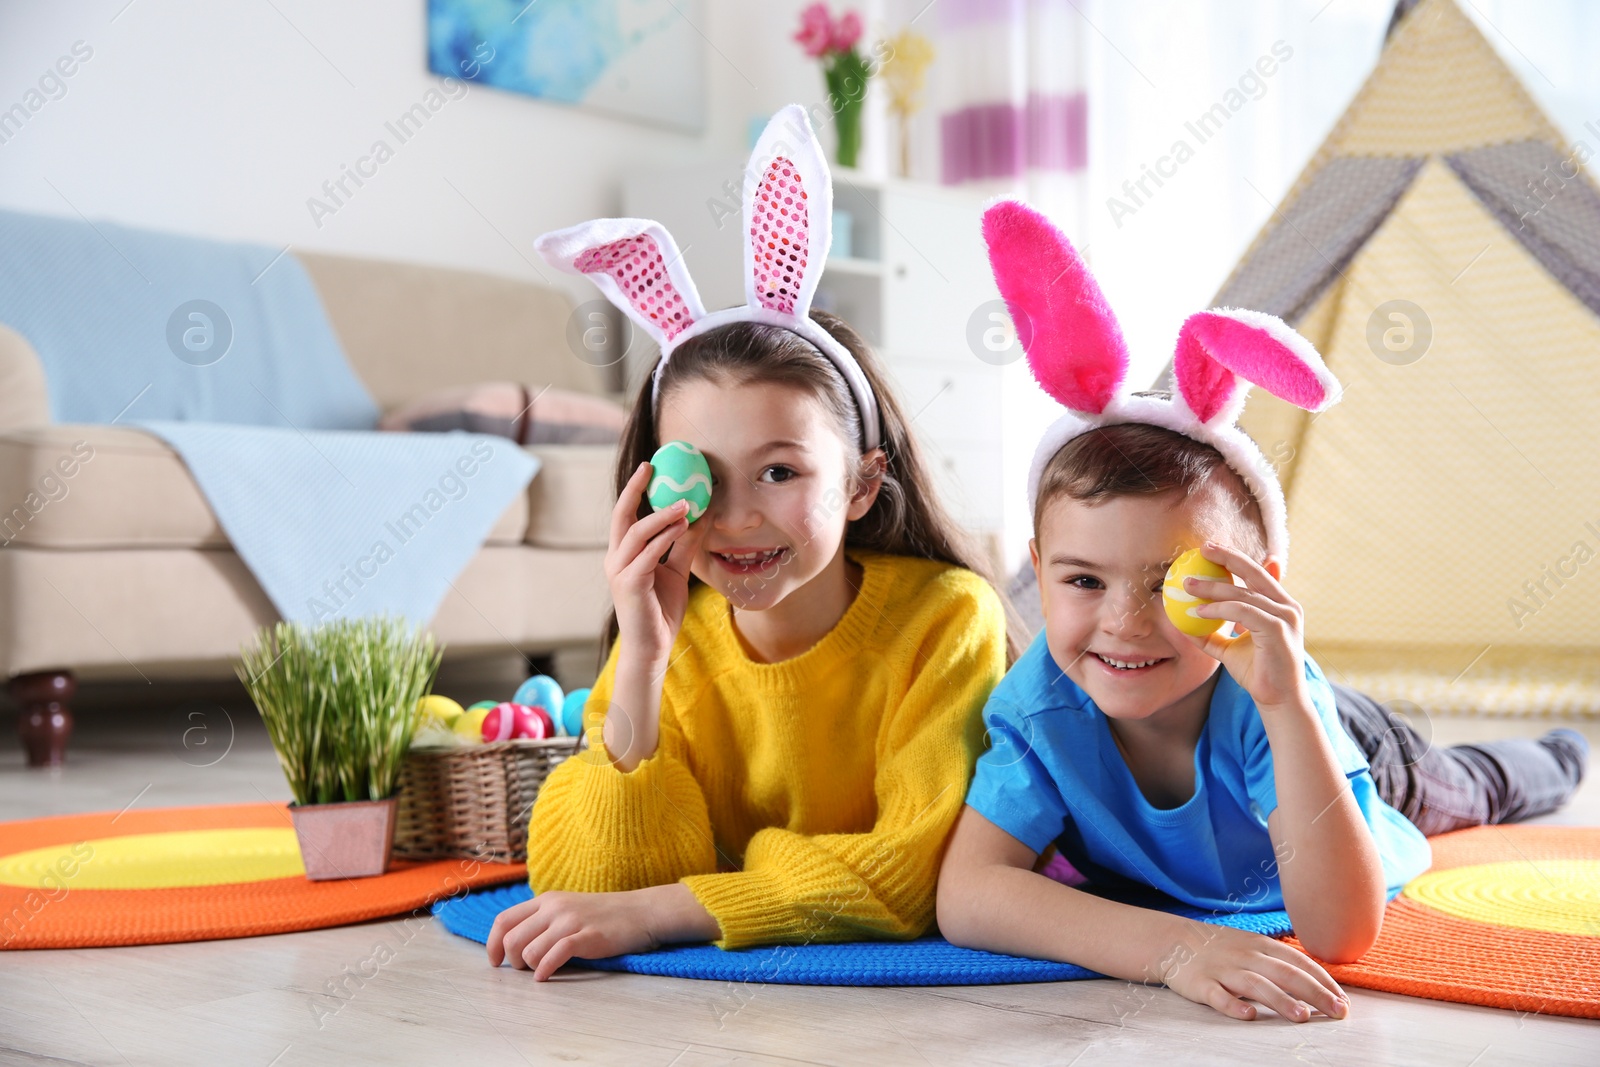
74,486
410,330
570,499
24,396
179,613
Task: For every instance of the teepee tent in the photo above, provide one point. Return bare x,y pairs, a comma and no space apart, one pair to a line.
1442,250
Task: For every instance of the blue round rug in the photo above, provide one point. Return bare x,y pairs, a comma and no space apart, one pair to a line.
926,961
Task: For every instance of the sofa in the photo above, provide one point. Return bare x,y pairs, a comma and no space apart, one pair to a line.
114,568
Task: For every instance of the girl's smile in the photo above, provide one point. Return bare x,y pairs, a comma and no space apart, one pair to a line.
744,561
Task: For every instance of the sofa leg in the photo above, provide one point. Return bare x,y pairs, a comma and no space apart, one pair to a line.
46,720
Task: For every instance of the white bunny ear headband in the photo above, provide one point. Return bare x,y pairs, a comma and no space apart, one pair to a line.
788,227
1076,351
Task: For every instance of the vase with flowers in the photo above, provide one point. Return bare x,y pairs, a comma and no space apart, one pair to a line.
833,41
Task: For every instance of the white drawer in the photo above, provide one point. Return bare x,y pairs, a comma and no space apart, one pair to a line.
969,480
950,402
936,271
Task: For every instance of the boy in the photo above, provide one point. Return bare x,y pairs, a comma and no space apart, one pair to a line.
1117,738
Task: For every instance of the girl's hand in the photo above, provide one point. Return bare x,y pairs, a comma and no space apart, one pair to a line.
1268,658
649,596
552,928
1234,964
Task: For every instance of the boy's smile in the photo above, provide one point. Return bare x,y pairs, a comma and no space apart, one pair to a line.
1100,569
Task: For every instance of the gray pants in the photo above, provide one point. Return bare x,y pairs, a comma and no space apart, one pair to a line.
1442,789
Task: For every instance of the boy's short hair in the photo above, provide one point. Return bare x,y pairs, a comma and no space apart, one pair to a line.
1138,459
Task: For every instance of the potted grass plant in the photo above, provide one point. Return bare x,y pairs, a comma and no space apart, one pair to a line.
339,702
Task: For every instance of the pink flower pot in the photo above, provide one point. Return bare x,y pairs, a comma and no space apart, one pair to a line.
350,839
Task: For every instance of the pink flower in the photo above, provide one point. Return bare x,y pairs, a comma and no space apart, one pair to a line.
846,32
816,30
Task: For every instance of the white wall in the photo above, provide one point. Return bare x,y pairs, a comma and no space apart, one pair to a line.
222,117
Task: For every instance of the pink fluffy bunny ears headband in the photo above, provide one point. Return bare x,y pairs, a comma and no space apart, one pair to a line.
788,226
1076,351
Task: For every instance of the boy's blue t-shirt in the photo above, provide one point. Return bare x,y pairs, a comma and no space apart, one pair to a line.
1053,775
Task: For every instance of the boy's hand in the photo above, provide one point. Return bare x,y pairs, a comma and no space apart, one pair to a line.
1334,890
1268,658
1233,964
552,928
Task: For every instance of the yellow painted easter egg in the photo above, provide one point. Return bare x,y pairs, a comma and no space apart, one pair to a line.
1180,603
470,724
436,708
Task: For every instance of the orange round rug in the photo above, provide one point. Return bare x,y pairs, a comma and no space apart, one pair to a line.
1507,916
194,874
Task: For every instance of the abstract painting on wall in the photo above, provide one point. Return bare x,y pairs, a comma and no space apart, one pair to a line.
638,59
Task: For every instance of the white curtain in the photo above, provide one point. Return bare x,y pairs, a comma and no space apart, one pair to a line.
1016,83
1175,199
1008,101
1076,103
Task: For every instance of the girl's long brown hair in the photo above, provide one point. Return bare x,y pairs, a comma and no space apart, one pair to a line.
907,519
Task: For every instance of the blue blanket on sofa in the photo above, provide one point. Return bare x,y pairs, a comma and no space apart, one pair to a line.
224,351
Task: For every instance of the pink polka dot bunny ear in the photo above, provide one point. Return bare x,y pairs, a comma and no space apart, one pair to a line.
1222,351
636,264
788,215
788,228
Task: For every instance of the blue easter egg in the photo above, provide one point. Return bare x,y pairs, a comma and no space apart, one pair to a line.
572,713
541,691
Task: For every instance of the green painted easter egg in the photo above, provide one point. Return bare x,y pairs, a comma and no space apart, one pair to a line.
679,472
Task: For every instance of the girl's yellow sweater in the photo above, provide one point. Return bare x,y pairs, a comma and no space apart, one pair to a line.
807,800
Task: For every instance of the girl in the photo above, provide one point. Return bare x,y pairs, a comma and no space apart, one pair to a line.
781,736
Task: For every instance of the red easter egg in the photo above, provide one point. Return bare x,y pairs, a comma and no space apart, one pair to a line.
522,721
500,723
540,725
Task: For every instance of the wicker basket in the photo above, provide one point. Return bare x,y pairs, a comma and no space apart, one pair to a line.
473,803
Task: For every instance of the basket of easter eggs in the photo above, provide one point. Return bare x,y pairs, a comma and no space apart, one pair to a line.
470,779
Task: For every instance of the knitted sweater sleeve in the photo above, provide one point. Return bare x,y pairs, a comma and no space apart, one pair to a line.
596,829
842,887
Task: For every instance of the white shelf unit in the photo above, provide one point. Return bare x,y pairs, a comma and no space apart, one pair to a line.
917,273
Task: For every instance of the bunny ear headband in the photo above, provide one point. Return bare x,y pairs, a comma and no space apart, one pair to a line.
788,226
1076,351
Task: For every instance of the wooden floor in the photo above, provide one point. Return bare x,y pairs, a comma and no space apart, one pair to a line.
266,1000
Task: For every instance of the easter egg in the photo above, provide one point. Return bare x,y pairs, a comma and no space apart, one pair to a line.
482,705
539,691
1182,604
439,709
538,725
470,724
506,721
572,713
679,472
500,721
